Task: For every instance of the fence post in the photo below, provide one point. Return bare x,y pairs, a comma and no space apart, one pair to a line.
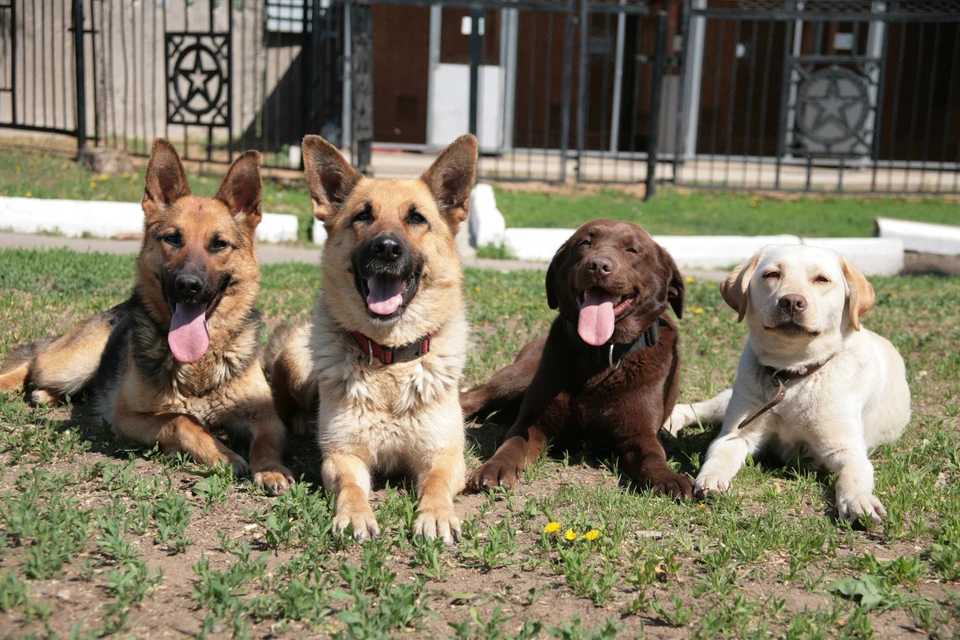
80,77
476,15
566,88
656,90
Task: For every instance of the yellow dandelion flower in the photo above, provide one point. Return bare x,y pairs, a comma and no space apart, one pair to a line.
63,166
553,527
135,175
703,507
93,184
28,194
126,174
592,535
477,289
103,177
689,279
16,168
698,310
570,535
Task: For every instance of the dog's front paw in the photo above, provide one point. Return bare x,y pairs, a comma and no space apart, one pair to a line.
672,484
275,480
41,398
708,483
860,507
493,473
438,523
364,523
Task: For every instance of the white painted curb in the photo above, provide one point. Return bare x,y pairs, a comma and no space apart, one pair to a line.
318,233
941,239
76,218
872,256
717,252
486,223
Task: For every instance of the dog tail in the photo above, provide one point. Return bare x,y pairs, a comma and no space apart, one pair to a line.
278,340
15,369
709,412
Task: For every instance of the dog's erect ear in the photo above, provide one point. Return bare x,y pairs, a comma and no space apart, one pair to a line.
330,177
242,190
559,257
676,287
451,177
166,180
736,287
859,293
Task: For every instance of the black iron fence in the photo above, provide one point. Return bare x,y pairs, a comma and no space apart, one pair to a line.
809,95
821,95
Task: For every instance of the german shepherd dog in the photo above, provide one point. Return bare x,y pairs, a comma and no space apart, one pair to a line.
386,346
181,354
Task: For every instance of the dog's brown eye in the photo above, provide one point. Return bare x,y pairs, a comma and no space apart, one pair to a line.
415,217
822,279
365,216
772,275
632,250
586,243
218,245
173,240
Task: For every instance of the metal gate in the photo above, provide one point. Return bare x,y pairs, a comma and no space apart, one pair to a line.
214,76
39,55
821,95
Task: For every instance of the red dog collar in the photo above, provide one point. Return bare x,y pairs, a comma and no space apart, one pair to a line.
390,355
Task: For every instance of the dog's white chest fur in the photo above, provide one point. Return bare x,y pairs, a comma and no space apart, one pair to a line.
386,413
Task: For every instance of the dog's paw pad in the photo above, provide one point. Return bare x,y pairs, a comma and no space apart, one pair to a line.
275,481
41,398
861,508
704,486
364,525
493,474
438,523
676,486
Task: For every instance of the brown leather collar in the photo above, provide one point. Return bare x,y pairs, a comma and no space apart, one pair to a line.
390,355
777,376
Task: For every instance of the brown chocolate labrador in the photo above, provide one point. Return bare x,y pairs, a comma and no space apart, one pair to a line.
609,367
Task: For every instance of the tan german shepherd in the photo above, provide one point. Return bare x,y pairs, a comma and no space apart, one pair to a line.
181,355
387,343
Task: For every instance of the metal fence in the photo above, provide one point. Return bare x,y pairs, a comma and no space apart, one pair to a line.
821,95
215,76
806,95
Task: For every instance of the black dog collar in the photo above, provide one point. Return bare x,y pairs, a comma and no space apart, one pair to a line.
611,355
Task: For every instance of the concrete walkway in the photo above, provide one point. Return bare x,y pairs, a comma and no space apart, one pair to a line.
269,253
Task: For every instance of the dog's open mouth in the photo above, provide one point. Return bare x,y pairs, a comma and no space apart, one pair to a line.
599,311
188,336
387,295
792,330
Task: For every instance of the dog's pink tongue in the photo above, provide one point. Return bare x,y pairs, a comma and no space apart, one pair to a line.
596,321
188,335
386,294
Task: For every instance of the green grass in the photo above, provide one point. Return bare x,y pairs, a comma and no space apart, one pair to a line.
155,545
32,173
676,212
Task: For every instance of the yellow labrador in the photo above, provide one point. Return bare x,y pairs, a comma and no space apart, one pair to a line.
810,376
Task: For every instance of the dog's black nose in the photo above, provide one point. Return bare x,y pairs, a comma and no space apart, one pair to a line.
793,303
387,248
187,286
603,266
